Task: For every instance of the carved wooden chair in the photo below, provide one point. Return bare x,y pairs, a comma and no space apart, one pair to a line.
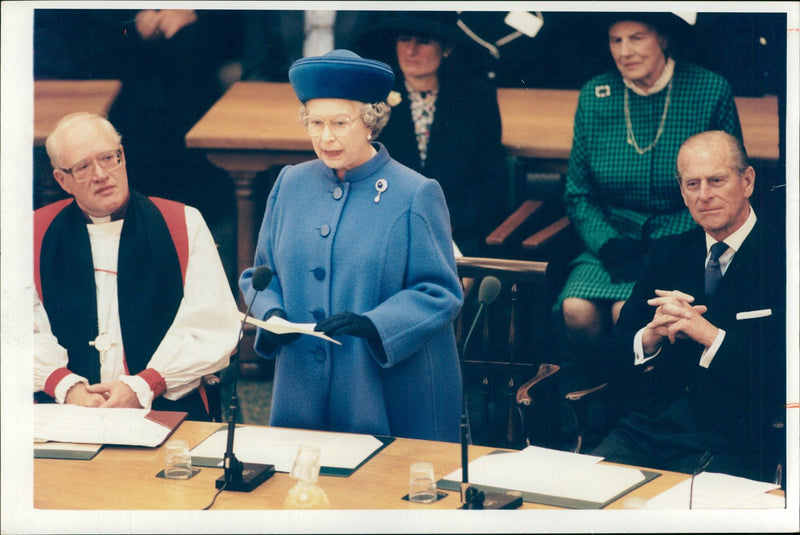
507,346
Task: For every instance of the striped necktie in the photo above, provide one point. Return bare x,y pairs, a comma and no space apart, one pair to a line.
713,271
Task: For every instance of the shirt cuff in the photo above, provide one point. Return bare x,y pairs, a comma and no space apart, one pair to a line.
63,386
140,387
710,352
638,350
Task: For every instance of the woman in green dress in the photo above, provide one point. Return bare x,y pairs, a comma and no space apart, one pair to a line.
620,190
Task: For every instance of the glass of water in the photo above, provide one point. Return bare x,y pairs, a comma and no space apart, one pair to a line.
177,460
421,483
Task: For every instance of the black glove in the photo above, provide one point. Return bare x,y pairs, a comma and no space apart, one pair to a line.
623,258
271,341
349,323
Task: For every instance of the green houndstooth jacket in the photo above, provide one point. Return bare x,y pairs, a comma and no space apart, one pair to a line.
612,191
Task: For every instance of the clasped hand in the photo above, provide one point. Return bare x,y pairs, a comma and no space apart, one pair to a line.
163,23
675,317
103,395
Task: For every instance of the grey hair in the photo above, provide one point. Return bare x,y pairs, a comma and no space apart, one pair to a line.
375,116
54,140
736,152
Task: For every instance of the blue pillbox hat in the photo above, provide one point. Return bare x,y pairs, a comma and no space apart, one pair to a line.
341,74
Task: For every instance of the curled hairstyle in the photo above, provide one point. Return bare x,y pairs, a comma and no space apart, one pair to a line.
54,140
375,116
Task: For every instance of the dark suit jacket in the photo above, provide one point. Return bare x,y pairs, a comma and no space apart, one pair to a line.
274,40
744,388
465,154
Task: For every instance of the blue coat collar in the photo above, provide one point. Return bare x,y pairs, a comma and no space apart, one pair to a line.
367,169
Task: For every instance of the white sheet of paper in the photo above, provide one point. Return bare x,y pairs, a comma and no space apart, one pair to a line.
278,446
552,473
91,425
713,491
278,325
545,456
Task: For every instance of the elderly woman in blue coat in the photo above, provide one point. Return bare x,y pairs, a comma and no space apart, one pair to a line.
361,246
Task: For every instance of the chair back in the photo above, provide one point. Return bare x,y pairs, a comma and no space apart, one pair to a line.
509,342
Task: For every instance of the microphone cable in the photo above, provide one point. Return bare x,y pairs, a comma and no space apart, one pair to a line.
702,464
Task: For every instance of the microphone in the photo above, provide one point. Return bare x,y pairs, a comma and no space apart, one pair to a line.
239,476
487,292
471,497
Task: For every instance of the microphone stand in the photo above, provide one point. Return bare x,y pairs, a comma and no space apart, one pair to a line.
702,464
472,497
239,476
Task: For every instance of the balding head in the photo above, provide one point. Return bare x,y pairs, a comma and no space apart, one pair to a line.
716,182
60,133
737,156
89,144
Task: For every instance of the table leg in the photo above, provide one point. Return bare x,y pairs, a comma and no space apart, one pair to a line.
243,166
246,240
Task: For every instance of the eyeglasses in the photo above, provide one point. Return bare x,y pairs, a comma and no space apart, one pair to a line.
83,171
339,126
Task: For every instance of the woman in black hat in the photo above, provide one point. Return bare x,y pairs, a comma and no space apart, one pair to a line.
621,191
445,122
360,245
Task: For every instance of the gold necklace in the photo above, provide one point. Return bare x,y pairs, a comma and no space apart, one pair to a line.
629,126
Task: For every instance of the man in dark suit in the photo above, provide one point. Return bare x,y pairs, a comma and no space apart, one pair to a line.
702,337
273,40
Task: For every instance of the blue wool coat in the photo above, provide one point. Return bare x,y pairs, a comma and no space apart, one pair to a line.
334,249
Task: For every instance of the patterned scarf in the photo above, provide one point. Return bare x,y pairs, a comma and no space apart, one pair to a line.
423,106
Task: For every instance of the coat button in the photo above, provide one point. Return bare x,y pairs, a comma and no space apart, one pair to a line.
318,314
324,231
319,355
337,193
319,273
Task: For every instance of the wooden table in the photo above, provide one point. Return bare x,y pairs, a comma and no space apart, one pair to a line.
125,478
537,123
52,100
255,126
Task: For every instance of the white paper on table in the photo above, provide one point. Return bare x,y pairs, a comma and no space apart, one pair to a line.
92,425
545,456
43,414
278,325
764,501
278,446
552,473
712,491
533,458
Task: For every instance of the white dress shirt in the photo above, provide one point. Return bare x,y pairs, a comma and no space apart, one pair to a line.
318,32
199,341
734,243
